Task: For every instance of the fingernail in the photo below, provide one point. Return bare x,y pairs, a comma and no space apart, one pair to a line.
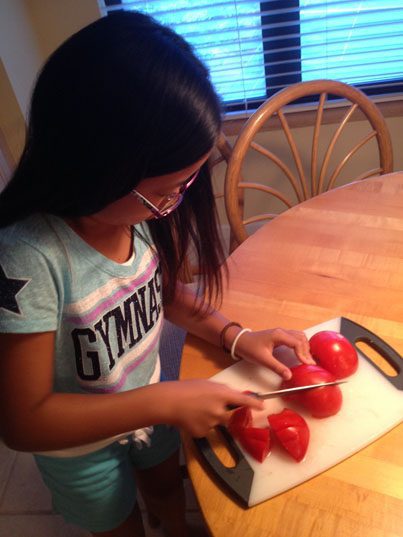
286,374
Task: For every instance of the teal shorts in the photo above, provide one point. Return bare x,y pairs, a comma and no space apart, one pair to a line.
97,491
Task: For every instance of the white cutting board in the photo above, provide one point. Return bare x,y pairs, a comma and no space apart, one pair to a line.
371,407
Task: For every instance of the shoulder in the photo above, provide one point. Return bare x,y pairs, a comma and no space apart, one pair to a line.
30,287
30,248
34,231
33,236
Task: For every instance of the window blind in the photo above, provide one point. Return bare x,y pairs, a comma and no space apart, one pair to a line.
254,49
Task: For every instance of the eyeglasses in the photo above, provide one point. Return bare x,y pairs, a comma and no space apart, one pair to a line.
170,202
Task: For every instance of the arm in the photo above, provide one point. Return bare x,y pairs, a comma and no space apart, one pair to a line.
34,418
252,346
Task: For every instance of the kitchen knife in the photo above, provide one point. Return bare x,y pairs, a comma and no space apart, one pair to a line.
280,393
287,391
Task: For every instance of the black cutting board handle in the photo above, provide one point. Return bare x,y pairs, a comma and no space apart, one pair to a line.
355,333
238,479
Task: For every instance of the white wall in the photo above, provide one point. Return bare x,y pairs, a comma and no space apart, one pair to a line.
29,31
395,125
56,20
19,49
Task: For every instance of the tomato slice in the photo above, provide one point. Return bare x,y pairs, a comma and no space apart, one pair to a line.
292,431
256,441
240,419
320,402
334,352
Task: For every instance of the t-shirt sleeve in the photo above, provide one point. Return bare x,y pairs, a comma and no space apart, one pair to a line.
29,299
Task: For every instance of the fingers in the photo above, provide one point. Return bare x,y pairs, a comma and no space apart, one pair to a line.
242,399
280,368
297,341
217,398
221,415
265,341
206,405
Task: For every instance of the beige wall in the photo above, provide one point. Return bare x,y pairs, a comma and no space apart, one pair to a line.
12,124
55,20
19,49
29,31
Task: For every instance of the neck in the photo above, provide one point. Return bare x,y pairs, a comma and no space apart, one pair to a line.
112,241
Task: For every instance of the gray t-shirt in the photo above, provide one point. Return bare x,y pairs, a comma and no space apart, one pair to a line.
107,316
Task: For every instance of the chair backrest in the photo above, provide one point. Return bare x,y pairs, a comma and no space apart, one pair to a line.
309,176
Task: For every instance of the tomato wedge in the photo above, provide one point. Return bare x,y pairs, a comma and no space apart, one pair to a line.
292,432
256,441
320,402
240,419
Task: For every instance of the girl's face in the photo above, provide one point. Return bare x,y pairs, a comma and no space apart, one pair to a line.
151,192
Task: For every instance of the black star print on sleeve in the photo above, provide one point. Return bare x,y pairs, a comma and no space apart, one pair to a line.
9,289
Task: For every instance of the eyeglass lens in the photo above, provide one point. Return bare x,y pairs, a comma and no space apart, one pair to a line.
174,200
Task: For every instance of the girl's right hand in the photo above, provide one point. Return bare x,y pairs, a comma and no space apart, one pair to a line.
197,406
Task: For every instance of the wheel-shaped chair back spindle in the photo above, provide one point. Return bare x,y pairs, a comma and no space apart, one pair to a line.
304,176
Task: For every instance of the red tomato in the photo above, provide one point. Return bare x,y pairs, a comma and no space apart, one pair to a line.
255,441
240,419
320,402
292,431
334,352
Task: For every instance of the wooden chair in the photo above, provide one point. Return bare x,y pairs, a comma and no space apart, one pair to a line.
301,177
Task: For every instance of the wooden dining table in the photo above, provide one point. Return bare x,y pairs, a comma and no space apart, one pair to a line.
337,254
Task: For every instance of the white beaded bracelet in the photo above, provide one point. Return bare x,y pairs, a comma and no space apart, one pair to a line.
239,334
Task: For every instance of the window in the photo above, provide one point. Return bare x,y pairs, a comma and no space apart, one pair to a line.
253,49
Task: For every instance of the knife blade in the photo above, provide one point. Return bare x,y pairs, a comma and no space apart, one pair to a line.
286,391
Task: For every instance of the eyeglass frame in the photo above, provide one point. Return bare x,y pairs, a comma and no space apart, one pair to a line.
178,195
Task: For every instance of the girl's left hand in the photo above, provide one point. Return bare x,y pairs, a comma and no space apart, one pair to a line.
258,347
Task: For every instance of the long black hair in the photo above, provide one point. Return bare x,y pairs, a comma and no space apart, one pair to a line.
123,99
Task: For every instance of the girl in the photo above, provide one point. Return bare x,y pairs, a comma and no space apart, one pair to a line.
112,187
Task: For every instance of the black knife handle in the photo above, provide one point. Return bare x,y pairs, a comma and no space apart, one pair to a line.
355,333
234,407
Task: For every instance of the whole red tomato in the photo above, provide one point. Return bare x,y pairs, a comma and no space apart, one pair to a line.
292,432
334,352
320,402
